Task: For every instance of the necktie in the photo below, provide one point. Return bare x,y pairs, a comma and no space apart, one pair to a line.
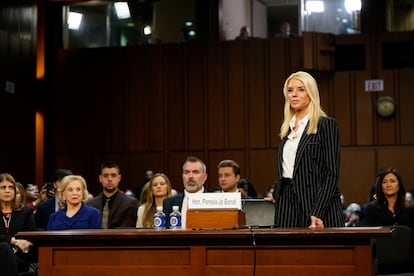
105,214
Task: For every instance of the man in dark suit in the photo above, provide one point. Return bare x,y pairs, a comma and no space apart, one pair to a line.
121,208
51,205
194,175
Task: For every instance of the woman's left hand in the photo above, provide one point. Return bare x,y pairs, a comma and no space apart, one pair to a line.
316,223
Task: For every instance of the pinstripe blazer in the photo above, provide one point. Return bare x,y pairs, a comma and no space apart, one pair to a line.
315,179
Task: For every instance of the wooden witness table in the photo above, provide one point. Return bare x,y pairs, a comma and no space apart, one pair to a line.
126,252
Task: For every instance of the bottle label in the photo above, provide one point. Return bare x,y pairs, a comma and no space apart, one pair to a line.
175,221
159,222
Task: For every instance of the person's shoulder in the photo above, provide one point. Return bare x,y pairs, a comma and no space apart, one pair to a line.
142,207
171,199
52,217
408,209
25,210
372,206
327,120
95,200
126,198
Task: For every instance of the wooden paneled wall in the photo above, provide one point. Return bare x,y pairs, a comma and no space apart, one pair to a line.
152,106
17,109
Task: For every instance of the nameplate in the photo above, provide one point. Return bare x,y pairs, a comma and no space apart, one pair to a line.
228,201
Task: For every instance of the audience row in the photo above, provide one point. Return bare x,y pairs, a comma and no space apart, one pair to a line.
71,207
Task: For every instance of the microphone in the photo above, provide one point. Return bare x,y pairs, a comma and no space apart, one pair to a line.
243,184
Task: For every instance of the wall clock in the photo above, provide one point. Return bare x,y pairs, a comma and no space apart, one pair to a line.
385,106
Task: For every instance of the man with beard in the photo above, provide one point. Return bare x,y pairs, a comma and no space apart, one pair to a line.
117,209
194,175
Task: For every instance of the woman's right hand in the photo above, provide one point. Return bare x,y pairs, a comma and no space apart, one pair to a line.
24,245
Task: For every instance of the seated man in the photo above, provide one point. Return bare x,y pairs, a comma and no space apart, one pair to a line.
117,208
229,177
194,175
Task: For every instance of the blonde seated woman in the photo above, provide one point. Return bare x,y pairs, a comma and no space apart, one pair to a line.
73,193
154,193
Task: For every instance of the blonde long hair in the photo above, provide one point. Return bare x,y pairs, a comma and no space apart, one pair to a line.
314,109
150,204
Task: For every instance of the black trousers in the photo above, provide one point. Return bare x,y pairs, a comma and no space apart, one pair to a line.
8,266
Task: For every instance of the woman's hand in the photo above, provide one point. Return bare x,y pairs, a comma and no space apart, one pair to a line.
316,223
24,245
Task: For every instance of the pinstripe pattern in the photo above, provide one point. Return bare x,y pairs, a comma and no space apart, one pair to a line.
314,189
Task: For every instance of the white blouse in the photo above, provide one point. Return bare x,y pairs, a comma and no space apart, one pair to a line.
291,145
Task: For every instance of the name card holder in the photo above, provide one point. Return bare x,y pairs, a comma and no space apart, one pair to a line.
215,218
215,210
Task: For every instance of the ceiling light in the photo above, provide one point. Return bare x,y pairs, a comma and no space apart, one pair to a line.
315,6
122,10
74,20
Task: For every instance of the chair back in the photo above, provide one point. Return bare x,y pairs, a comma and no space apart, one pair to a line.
395,254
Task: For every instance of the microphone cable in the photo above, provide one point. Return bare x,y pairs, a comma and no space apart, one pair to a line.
254,249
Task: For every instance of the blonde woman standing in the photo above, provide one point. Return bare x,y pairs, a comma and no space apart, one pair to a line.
307,193
155,191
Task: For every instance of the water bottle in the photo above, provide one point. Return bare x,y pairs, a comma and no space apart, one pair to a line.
159,219
175,218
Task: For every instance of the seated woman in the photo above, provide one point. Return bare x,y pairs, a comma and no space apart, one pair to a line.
246,188
389,207
155,191
16,217
73,193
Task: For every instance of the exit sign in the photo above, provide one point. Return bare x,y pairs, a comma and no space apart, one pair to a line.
374,85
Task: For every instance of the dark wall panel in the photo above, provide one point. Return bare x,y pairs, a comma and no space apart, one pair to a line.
137,99
405,110
175,103
342,100
277,74
257,93
138,162
111,109
217,100
235,109
196,95
363,111
325,90
263,169
214,101
155,128
357,174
